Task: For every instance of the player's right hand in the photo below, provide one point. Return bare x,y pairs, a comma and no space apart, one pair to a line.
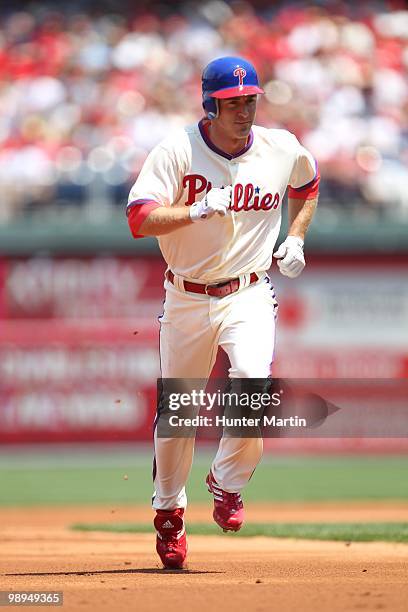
217,200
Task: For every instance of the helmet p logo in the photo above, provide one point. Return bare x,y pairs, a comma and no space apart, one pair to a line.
240,73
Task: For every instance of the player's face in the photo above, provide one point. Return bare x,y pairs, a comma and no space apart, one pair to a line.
236,115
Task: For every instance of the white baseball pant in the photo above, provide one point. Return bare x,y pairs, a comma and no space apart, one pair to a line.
192,327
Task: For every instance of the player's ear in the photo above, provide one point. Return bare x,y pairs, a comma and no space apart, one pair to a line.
211,107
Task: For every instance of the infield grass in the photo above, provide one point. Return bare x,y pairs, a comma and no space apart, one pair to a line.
344,532
127,479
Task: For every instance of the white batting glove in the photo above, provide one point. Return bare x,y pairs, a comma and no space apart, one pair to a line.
291,259
216,201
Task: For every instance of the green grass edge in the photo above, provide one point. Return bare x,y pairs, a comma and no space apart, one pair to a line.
340,532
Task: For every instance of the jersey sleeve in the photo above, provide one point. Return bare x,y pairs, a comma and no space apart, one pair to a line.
159,179
304,179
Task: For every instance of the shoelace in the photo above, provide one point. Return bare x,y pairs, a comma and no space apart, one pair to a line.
227,499
172,541
171,545
232,499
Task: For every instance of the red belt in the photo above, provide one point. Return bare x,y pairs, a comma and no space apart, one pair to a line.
218,290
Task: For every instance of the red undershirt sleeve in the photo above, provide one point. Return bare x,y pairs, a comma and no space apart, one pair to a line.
137,212
307,192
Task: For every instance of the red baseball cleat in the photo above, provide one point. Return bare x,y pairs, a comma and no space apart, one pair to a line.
171,540
228,507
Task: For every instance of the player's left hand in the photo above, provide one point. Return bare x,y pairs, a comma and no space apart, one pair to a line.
291,259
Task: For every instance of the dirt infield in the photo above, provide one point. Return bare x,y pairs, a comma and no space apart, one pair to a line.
106,571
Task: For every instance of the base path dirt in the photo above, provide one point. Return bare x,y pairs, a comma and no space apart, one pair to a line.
107,571
322,512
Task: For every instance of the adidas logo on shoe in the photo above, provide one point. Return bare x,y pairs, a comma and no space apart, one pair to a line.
167,525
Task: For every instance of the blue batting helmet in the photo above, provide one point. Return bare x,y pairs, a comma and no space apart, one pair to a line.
227,77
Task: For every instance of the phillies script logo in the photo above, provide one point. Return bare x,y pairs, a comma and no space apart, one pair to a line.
244,197
240,73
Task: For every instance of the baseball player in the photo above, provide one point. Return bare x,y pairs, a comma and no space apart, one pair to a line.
212,194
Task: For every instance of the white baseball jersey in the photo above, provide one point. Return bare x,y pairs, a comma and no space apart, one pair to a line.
182,168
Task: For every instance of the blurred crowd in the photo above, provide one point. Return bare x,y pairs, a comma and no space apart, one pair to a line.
85,96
